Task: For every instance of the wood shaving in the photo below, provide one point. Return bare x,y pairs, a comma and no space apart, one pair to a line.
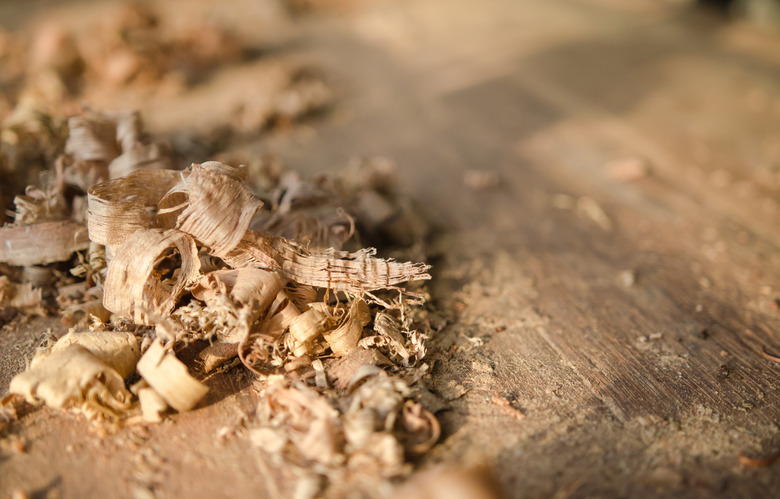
116,349
23,297
72,378
343,340
141,282
169,378
117,208
220,207
758,462
42,243
363,440
355,272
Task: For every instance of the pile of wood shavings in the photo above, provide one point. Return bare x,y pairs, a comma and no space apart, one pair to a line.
168,260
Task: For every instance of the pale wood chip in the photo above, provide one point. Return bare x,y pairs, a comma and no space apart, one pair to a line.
306,327
152,405
343,370
169,377
73,314
139,157
92,137
217,354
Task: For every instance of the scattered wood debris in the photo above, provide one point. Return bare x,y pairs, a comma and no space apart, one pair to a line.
162,260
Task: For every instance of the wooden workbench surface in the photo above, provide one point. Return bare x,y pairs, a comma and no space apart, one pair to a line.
607,322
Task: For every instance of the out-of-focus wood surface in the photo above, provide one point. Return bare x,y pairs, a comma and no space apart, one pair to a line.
606,334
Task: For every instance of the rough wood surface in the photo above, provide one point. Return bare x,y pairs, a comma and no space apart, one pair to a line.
605,335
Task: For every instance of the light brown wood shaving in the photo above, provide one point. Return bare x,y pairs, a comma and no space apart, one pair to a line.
282,314
236,298
169,377
116,349
22,297
152,405
72,378
119,207
217,354
42,204
307,327
220,207
92,137
312,425
80,313
135,285
139,156
248,286
41,243
353,272
343,340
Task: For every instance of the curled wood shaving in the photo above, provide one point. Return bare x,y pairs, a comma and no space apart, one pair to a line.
73,378
758,462
38,276
389,335
283,313
389,338
248,286
119,207
152,404
137,157
169,378
220,207
421,426
312,425
307,327
237,298
141,283
343,340
42,204
41,243
92,138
